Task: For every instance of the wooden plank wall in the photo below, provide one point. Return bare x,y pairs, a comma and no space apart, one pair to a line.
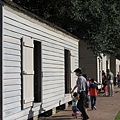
1,39
88,62
16,25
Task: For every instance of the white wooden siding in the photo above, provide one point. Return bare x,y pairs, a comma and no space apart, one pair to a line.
17,25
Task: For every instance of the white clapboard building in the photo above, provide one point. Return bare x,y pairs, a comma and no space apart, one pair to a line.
37,60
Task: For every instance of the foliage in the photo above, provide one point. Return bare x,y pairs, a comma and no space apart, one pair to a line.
118,116
97,22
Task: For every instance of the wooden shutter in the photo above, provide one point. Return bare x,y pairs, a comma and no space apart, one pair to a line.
28,71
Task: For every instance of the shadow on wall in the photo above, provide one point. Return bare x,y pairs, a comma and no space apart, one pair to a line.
41,109
31,112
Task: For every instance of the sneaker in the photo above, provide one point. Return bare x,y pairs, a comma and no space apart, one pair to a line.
73,114
95,107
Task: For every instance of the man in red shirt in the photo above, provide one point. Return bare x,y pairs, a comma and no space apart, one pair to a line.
93,94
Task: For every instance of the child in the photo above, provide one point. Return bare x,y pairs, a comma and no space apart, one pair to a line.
104,82
74,104
105,88
93,94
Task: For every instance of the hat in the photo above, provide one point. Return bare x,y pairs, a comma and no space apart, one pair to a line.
78,70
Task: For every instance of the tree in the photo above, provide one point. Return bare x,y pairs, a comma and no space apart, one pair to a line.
97,22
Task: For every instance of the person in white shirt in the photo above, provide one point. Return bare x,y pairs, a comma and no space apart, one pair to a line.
82,90
110,78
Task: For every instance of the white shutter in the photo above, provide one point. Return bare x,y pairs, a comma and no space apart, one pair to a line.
28,72
72,68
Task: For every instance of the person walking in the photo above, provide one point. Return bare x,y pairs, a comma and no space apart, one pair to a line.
82,89
88,95
110,78
118,79
93,94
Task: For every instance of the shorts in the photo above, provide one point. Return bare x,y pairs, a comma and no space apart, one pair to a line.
75,109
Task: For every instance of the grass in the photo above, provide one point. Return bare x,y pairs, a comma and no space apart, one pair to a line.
118,116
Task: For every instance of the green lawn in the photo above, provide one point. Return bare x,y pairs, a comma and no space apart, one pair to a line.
118,116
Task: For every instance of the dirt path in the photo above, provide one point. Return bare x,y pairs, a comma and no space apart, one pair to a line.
107,109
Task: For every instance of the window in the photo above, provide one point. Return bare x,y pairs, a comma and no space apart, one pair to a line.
119,67
106,64
67,71
37,71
